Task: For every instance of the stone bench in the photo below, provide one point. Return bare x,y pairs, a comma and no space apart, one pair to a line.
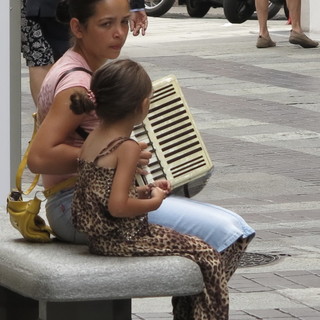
59,281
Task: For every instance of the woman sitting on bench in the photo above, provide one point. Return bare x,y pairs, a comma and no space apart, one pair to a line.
99,29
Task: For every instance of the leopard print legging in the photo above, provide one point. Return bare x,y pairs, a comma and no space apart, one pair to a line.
213,302
233,254
217,269
230,258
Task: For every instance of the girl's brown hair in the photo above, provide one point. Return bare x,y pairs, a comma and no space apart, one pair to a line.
118,88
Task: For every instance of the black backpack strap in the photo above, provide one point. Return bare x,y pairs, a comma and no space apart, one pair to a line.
69,71
82,133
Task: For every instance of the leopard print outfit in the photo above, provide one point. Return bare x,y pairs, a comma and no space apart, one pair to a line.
112,236
232,255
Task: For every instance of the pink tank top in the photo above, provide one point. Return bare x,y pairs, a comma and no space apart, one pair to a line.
50,89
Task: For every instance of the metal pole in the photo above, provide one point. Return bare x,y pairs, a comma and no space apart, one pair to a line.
10,93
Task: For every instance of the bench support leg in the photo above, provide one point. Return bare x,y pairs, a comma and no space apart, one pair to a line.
13,306
86,310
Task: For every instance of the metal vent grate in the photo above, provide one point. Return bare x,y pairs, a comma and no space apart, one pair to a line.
253,259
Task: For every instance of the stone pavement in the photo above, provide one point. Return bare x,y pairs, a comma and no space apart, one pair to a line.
258,111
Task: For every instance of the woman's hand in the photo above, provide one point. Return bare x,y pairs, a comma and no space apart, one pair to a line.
143,159
138,22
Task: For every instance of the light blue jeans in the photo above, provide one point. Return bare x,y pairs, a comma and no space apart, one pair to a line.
217,226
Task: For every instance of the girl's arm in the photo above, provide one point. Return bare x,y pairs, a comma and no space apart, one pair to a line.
49,154
120,205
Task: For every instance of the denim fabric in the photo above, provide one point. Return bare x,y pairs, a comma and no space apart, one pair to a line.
58,209
217,226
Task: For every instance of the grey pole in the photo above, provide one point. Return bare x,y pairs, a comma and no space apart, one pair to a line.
10,93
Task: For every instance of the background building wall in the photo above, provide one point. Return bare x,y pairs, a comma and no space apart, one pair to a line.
310,16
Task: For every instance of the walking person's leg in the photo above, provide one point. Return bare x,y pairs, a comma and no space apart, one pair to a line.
264,40
296,34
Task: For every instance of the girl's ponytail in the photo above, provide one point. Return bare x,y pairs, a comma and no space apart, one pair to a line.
82,103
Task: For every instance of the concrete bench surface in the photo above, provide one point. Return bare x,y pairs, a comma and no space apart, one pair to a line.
64,272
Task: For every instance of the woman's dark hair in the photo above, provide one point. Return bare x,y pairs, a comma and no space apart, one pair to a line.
80,9
119,89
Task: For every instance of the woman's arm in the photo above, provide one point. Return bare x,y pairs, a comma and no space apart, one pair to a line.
49,153
120,205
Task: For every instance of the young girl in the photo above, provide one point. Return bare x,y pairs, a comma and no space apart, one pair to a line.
112,211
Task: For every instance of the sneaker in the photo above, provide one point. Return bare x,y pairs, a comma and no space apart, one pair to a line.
302,40
265,43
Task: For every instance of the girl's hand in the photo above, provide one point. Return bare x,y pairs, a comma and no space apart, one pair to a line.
157,192
160,185
163,184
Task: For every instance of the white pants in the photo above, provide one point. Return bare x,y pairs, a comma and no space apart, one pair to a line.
215,225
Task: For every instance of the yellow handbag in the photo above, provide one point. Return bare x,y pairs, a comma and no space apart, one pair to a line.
24,217
24,213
